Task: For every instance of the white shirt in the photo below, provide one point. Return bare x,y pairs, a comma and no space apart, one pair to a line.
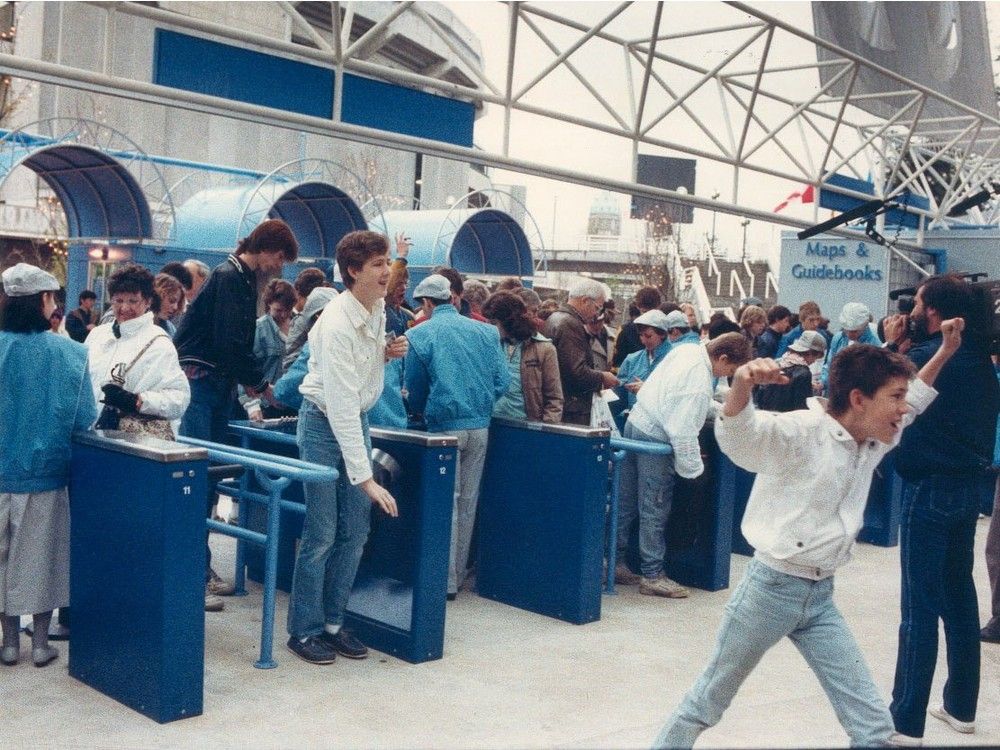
346,373
808,501
156,376
673,402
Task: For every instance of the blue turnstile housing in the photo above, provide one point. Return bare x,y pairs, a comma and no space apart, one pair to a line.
397,605
137,571
735,482
541,518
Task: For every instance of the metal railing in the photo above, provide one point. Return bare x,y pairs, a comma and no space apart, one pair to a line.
619,448
770,282
750,276
274,473
734,278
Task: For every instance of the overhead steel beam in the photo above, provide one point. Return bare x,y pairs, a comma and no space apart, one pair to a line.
61,75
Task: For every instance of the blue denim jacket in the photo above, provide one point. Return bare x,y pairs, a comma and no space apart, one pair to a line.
47,396
455,371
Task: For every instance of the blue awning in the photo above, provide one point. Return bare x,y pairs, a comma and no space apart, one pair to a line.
99,195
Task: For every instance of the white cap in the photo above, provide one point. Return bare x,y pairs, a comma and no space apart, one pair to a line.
434,286
653,318
677,319
25,279
854,315
809,341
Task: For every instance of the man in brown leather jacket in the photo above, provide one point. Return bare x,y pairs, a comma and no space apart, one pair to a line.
565,327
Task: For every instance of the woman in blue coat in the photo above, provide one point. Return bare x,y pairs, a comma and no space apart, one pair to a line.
638,366
47,396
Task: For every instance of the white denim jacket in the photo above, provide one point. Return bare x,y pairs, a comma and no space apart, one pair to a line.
808,501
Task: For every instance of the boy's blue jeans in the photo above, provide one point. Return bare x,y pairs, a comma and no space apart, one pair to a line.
765,607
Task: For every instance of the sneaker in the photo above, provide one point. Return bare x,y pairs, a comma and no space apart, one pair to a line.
213,603
345,644
624,576
217,586
989,635
44,655
313,650
965,727
9,655
903,740
662,586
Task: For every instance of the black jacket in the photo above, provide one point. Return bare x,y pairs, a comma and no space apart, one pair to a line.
788,397
956,435
217,331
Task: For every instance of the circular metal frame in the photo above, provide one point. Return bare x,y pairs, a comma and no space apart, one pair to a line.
17,145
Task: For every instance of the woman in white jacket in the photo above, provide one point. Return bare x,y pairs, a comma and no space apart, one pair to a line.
133,362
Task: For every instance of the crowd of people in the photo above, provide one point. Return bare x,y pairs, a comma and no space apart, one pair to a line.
811,412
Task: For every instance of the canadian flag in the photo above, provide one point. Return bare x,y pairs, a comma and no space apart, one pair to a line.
806,195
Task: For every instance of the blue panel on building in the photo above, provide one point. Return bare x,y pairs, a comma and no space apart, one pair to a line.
841,203
376,104
194,64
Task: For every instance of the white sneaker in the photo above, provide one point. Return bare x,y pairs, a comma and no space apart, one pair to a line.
903,740
965,727
662,586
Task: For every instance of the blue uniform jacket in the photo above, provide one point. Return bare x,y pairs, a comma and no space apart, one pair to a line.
47,396
455,371
637,365
389,410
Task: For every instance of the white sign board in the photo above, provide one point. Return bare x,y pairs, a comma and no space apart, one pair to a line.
832,271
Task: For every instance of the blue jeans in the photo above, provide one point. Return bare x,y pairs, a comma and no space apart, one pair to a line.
646,490
338,517
764,608
936,554
207,418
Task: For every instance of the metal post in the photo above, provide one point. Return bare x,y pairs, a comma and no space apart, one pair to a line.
743,253
711,241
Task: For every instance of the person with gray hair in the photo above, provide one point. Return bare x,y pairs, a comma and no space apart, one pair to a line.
199,275
475,293
567,330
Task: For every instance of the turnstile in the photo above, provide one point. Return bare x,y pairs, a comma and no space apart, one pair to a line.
541,518
137,571
397,604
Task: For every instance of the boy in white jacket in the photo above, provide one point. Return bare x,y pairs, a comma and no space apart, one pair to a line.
814,469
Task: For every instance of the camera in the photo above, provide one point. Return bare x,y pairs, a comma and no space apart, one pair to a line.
986,296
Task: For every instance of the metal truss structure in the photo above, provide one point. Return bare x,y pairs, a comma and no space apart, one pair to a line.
723,82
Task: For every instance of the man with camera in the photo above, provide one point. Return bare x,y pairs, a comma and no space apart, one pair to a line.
942,459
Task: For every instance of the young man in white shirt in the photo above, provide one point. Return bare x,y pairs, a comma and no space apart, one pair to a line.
348,352
671,407
814,470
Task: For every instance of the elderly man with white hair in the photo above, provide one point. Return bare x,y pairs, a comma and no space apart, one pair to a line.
855,328
566,327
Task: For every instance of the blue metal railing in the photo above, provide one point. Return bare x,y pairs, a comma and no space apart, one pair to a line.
274,473
619,447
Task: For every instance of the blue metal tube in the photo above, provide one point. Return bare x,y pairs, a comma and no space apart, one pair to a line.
292,468
284,471
271,574
619,447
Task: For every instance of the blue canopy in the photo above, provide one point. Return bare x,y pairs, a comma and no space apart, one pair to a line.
99,195
319,215
482,241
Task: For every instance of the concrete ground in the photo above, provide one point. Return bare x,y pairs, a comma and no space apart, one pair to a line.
509,679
